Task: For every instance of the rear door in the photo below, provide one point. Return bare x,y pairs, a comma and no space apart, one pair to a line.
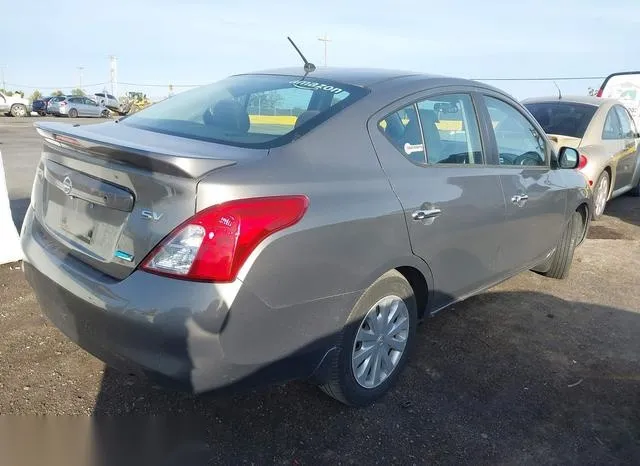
431,149
628,158
534,193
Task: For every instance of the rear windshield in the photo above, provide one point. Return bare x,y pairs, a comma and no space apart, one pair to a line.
563,118
248,110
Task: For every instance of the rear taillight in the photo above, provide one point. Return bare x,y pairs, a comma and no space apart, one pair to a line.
599,93
63,103
214,244
582,162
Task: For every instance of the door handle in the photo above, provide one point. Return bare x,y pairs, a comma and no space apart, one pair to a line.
425,214
520,199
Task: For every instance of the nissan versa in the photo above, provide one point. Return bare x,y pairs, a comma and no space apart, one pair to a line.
281,225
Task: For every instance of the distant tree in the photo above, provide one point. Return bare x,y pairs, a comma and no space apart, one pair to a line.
58,92
6,92
77,91
37,95
265,102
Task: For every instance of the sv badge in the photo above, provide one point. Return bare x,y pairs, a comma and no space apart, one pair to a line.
150,215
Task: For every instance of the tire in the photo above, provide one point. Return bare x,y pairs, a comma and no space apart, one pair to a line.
599,204
19,111
42,114
390,290
73,113
635,191
105,114
563,256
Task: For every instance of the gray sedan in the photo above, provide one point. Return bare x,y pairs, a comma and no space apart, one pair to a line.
281,225
77,106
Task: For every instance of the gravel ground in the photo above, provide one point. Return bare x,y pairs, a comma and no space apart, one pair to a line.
534,371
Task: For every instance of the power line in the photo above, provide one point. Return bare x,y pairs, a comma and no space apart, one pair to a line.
564,78
24,86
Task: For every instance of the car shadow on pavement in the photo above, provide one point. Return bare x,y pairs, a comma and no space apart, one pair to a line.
626,208
504,377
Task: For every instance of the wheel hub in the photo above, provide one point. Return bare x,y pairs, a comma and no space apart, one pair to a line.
380,341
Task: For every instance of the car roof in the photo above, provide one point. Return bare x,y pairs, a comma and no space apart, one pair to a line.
362,77
574,99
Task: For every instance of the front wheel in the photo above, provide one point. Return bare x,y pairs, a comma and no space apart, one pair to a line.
563,256
105,114
376,342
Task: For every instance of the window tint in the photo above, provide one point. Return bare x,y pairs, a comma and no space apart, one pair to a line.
626,124
563,118
248,110
402,129
449,131
519,143
75,100
612,129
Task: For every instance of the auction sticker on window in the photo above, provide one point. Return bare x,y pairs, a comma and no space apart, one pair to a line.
301,84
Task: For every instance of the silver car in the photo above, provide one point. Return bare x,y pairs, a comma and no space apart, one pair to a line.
604,133
77,106
277,226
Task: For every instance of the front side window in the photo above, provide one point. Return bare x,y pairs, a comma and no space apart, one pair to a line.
519,142
612,128
626,124
437,130
248,110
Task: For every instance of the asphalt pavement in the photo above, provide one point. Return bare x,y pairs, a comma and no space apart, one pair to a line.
534,371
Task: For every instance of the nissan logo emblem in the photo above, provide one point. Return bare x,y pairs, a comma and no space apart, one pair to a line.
67,185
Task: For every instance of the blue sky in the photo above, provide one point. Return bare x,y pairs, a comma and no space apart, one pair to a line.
162,42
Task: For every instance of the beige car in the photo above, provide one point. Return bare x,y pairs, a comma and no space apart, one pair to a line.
604,133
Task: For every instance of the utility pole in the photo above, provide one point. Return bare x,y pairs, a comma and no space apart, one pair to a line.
80,70
113,74
4,86
325,39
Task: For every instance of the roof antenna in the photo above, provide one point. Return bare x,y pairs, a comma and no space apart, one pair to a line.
308,67
559,91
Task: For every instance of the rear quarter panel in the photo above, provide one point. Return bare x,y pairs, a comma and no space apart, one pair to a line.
354,229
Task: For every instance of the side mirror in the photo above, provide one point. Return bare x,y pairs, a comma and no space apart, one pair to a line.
569,158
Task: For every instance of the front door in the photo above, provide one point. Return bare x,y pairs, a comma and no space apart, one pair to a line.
432,151
626,166
534,193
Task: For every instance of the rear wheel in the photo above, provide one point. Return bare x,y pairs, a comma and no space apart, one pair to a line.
18,111
375,342
73,113
563,255
601,194
105,114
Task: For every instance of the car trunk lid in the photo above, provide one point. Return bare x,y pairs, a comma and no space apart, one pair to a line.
107,193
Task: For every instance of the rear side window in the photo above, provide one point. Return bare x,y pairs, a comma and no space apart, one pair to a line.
437,130
563,118
612,129
249,110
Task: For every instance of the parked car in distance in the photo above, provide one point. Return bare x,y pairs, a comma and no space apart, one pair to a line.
40,106
14,105
51,105
207,244
625,87
77,106
604,133
107,100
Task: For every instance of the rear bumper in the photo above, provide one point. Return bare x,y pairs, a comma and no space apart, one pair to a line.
195,336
